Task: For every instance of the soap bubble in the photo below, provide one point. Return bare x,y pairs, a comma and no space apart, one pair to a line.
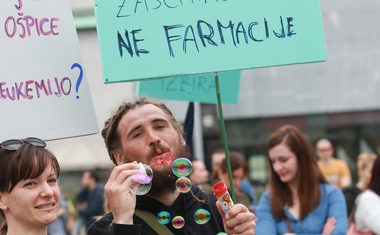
164,217
140,181
183,184
202,216
182,167
178,222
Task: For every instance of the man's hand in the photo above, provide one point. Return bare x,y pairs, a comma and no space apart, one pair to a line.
238,220
120,200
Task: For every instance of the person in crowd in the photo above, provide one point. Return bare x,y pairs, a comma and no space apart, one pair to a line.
240,171
299,200
336,171
58,227
29,193
364,167
144,131
93,205
216,159
200,175
81,202
367,212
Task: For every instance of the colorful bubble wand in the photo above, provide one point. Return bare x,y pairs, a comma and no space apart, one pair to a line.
167,158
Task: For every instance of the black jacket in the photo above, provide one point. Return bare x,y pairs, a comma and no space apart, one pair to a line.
350,193
185,205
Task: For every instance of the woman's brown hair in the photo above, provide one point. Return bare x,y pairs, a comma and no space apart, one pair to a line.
374,183
27,162
308,174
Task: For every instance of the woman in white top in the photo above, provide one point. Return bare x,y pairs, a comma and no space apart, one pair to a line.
367,215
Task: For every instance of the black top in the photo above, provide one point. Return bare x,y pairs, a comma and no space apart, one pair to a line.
350,193
185,205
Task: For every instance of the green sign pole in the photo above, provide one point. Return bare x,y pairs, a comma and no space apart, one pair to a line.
224,136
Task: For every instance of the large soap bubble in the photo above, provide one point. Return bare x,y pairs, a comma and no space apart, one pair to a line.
141,180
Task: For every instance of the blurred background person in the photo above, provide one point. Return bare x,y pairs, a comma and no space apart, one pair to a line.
239,169
216,159
336,171
93,206
200,175
299,199
58,227
78,226
367,212
364,168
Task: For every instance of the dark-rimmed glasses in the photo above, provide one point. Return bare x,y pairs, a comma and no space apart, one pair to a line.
14,144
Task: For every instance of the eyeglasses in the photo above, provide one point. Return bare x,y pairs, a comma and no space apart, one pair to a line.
14,144
324,149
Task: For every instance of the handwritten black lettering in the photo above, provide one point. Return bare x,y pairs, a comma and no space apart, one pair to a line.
237,33
131,48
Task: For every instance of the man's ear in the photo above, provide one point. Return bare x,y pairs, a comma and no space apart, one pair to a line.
118,155
3,206
182,140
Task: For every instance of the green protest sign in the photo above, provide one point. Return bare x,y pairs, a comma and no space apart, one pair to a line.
145,39
196,88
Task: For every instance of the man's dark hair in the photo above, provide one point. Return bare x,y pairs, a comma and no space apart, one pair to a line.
110,133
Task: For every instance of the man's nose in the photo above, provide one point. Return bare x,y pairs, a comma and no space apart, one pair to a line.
153,138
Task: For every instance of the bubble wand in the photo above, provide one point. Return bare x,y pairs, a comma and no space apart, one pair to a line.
167,158
218,96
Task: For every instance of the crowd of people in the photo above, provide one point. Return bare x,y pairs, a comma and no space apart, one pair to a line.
309,190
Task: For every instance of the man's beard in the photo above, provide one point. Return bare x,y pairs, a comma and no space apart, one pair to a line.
164,180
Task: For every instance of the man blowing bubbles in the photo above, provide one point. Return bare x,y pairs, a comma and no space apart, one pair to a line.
143,131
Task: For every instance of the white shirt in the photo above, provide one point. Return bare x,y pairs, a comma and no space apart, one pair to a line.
367,215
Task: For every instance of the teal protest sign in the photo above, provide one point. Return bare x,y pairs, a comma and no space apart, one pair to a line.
196,88
145,39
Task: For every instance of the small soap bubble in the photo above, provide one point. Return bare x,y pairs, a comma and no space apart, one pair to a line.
178,222
201,216
164,217
140,181
182,167
183,184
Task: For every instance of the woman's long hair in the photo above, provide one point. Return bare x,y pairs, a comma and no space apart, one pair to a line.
308,174
374,183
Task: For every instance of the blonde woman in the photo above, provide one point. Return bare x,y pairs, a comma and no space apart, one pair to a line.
367,214
364,166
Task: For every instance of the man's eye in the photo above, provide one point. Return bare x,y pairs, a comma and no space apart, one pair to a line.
159,127
136,135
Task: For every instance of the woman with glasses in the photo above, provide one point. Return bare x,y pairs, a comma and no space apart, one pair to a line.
299,200
29,193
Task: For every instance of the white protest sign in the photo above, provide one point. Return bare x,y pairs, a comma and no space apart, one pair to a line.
43,85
